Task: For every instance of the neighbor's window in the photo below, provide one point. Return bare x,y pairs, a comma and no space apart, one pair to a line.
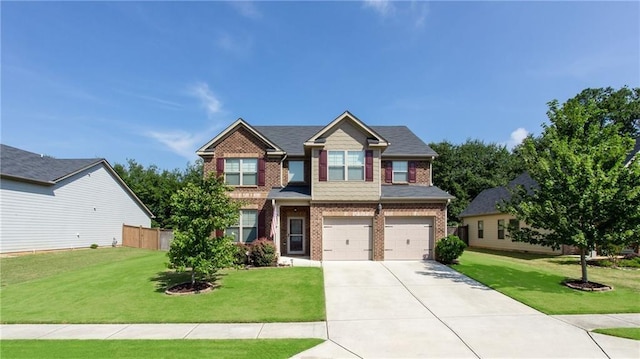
480,229
400,171
501,229
346,165
296,171
241,171
246,230
514,224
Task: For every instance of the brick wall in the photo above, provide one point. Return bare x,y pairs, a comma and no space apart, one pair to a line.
293,211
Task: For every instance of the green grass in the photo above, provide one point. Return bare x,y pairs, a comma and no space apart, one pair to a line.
629,333
124,285
255,348
535,280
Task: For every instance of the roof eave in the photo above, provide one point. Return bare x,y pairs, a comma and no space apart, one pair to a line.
27,180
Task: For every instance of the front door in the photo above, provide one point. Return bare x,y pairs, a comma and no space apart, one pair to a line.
296,236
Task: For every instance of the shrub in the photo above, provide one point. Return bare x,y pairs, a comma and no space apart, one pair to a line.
449,248
240,256
262,253
94,246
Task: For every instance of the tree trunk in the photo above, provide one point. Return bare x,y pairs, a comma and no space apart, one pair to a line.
193,278
583,263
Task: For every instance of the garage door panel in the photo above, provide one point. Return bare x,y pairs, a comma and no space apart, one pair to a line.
408,238
347,238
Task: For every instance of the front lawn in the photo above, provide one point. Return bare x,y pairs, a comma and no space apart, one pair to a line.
126,285
535,280
255,348
629,333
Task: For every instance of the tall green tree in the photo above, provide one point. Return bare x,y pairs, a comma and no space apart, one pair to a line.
154,186
467,169
587,196
199,211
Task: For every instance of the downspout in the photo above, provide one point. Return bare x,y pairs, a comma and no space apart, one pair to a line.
431,172
282,169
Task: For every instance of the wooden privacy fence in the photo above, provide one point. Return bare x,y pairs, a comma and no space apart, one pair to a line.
461,231
148,238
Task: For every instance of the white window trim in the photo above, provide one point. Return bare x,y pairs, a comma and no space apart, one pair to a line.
345,166
241,227
393,172
241,172
501,227
289,172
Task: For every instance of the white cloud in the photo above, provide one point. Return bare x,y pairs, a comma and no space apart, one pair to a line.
236,45
247,9
208,100
179,142
382,7
517,137
419,10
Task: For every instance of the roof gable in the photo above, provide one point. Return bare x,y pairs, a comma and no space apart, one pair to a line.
239,123
373,137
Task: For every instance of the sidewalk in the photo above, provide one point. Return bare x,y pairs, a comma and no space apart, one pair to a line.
165,331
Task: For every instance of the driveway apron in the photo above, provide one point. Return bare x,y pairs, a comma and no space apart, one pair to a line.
424,309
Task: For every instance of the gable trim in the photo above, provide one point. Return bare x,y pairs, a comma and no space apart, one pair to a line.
234,127
375,140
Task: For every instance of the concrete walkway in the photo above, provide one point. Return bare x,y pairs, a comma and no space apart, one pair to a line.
397,310
424,309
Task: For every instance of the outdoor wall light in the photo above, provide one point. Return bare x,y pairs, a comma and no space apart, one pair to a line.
379,209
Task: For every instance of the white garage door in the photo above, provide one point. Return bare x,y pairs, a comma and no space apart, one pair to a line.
346,238
408,237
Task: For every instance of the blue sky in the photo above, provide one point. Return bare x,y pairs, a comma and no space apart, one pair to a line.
153,81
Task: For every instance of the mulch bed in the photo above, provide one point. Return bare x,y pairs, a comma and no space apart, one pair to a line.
586,286
187,288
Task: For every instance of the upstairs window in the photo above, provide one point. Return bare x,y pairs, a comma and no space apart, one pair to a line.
400,172
480,229
241,171
296,171
346,165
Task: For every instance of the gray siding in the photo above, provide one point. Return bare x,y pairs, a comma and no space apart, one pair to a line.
346,137
89,207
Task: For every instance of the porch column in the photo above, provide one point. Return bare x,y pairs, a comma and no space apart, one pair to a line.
275,226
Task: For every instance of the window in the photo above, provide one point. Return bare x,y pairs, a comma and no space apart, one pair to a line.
400,172
296,171
501,229
480,229
346,165
514,224
246,230
241,171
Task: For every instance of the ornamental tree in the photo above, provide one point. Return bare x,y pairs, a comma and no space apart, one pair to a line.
587,196
199,211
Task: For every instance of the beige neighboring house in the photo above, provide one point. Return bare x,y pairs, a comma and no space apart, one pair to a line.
340,191
487,225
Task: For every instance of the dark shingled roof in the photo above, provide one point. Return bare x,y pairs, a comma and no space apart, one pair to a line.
290,192
414,191
402,140
29,166
487,200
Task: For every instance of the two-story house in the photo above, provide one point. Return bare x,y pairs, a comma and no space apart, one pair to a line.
344,191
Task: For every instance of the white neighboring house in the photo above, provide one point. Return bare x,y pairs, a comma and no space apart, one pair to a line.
48,203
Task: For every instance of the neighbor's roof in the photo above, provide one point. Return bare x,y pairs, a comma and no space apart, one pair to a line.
24,166
486,202
414,192
402,141
29,166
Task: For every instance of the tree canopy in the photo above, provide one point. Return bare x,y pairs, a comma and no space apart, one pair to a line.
466,170
154,187
587,196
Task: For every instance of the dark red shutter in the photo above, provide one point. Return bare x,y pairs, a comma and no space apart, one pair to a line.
322,171
368,166
261,227
388,172
261,167
412,172
220,166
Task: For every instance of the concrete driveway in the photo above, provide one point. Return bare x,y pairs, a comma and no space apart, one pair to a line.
426,310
